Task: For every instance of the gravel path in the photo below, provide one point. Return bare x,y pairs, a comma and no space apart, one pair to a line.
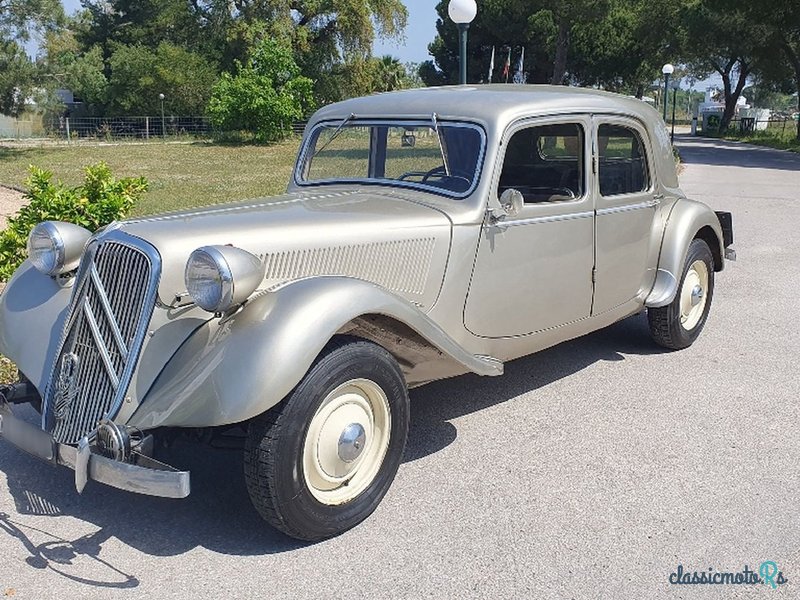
10,202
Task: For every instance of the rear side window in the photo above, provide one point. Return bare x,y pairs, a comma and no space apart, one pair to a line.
545,163
623,162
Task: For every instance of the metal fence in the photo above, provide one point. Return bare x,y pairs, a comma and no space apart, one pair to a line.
136,128
751,124
122,128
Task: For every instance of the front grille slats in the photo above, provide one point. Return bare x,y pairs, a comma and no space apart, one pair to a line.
111,308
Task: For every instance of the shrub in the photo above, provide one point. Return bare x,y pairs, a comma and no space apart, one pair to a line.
99,201
264,97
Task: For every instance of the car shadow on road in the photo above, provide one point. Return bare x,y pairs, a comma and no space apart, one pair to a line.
712,151
218,515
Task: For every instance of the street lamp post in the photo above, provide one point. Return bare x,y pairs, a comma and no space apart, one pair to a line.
462,12
667,70
163,128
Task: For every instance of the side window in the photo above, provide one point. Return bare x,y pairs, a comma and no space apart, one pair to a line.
545,163
622,161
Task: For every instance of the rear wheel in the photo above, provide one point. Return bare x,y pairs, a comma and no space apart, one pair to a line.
320,462
678,324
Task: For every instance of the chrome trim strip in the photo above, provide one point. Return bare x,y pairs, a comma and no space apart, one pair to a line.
612,210
548,219
110,318
100,343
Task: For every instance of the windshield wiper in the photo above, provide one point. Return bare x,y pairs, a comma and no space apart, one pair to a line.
441,146
335,133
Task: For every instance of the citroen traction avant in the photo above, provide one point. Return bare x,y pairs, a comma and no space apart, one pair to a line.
424,234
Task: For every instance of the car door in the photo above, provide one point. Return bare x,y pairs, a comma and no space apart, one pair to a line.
626,205
533,271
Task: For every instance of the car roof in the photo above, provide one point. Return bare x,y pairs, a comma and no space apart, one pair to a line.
494,105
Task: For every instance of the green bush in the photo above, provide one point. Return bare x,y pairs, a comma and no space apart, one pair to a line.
264,97
99,201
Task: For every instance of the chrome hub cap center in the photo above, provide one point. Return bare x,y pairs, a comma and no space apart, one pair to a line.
352,442
697,295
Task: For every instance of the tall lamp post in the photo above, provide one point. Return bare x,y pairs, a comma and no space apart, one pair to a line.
164,129
667,70
462,12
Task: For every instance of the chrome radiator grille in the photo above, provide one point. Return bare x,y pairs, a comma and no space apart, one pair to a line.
111,308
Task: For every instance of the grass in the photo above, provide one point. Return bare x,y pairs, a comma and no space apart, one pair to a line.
180,175
773,138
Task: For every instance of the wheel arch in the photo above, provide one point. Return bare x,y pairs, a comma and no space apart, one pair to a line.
231,370
688,220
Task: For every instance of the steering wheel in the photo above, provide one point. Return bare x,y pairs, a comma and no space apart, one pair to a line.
435,171
412,174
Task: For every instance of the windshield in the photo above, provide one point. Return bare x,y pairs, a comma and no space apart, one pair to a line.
440,156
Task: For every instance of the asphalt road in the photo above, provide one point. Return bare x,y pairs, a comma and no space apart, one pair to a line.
591,470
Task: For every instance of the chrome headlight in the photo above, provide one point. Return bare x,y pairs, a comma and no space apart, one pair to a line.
55,247
221,277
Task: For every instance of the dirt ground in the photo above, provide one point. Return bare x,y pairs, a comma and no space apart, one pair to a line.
10,202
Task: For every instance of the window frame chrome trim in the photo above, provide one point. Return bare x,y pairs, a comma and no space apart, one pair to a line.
300,166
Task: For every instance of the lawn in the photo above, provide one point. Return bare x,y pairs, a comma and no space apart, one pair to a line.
777,137
180,175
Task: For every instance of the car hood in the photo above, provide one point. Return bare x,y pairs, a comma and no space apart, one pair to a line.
385,238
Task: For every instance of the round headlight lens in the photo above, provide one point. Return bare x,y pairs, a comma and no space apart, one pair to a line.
46,248
208,279
221,277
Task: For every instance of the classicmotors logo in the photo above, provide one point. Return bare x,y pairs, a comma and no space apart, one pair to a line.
768,573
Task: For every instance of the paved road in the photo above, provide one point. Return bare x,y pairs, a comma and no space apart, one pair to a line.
589,471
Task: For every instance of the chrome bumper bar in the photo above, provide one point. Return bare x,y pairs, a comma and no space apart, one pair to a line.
143,475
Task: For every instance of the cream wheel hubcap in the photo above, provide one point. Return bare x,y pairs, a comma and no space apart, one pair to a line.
347,441
694,294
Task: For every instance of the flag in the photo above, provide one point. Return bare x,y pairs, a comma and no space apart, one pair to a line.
491,65
519,76
507,65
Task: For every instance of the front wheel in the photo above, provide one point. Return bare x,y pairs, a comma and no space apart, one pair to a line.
321,461
677,325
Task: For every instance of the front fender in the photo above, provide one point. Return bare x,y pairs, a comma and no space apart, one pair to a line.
234,369
687,219
33,307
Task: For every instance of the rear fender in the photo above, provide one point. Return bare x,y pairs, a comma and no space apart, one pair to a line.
688,220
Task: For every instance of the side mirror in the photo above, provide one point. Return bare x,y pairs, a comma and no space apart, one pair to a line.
511,202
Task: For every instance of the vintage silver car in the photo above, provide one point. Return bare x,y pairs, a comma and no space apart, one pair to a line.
425,234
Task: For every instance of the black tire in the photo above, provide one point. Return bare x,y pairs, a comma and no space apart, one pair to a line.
274,450
666,326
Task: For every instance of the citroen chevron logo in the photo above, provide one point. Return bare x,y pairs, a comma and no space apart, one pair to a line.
66,385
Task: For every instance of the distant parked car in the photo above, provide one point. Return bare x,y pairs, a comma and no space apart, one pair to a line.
425,234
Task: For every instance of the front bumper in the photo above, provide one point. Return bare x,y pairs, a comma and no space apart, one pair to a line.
143,475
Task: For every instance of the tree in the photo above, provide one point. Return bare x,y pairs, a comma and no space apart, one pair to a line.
17,78
720,37
139,74
265,96
67,66
782,39
18,74
19,18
